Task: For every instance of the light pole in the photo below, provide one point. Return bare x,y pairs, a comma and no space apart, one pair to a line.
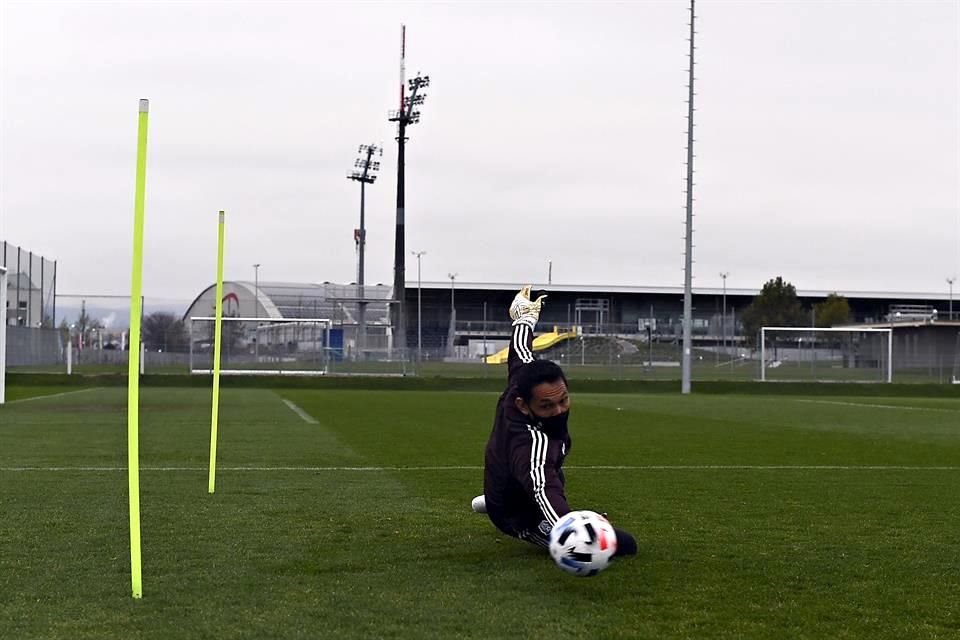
256,305
405,115
419,254
365,173
685,384
723,317
452,337
950,282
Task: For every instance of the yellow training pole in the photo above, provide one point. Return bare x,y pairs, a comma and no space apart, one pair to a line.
215,414
133,371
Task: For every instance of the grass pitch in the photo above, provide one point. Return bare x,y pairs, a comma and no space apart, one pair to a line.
757,517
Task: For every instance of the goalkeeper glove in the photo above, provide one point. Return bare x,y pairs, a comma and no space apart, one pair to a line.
525,311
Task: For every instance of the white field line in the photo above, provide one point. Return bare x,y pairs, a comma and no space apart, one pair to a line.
300,412
53,395
879,406
706,467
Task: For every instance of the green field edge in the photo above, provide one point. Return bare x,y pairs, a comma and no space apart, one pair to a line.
437,383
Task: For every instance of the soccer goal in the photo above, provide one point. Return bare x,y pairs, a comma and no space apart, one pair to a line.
797,354
3,334
263,346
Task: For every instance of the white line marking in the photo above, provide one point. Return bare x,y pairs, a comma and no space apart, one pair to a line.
879,406
52,395
705,467
300,412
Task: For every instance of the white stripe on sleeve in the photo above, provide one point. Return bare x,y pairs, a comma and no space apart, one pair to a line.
520,333
538,460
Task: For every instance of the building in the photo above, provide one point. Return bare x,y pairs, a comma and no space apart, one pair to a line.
340,304
467,319
479,310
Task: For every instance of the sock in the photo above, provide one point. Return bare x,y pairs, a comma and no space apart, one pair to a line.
626,543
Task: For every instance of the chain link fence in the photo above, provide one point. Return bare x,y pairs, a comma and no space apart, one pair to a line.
31,287
588,344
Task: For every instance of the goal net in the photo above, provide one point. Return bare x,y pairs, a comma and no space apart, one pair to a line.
797,354
263,346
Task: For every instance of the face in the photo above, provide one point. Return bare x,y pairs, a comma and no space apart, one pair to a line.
548,399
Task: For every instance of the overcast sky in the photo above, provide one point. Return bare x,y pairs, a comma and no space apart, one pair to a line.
828,140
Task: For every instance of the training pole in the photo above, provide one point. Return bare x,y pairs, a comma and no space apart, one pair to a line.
218,325
133,371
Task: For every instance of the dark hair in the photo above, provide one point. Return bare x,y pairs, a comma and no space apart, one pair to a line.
537,372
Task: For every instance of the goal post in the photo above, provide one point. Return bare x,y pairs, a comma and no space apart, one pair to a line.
838,354
262,346
955,376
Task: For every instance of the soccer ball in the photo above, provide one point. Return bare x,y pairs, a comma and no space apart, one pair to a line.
582,543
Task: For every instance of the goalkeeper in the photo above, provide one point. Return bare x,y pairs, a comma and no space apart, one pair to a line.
523,483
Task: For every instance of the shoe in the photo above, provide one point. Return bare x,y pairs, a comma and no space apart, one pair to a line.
479,504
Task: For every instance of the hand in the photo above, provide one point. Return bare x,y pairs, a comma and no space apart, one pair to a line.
523,310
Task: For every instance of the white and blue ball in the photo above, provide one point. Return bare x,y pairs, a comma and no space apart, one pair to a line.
583,543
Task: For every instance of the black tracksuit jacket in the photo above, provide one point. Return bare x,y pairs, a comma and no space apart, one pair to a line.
523,477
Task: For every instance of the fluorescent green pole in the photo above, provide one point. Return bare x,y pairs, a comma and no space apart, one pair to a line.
218,325
133,372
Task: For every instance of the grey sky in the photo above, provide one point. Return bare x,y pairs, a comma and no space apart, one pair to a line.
828,142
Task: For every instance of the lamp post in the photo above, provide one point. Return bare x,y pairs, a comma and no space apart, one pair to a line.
419,254
365,172
452,337
256,305
723,317
950,282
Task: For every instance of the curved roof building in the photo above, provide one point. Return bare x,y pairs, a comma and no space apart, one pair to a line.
337,302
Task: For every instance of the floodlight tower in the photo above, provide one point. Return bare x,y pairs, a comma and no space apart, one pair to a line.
688,240
365,172
406,115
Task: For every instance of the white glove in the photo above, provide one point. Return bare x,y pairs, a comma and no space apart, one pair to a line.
523,311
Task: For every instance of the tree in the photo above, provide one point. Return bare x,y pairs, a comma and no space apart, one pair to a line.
835,310
64,330
86,328
775,306
164,331
231,333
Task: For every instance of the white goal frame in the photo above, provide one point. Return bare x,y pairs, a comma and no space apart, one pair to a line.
763,342
3,334
261,324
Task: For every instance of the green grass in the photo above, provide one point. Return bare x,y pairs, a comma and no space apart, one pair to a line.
757,516
17,393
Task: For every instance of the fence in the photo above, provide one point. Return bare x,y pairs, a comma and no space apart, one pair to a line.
33,346
31,287
96,328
